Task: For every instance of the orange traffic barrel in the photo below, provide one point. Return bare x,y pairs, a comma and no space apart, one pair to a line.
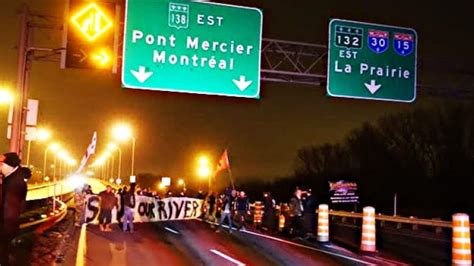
461,240
257,213
323,223
368,230
281,222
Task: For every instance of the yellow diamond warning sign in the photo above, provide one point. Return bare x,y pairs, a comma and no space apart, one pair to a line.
91,21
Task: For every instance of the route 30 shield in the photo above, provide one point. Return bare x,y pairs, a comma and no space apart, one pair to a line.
378,41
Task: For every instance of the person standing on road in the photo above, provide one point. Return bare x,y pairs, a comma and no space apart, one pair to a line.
79,201
309,213
269,217
227,209
121,210
296,212
107,202
242,209
211,208
14,191
129,206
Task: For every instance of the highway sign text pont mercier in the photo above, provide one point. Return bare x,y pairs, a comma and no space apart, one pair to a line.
193,47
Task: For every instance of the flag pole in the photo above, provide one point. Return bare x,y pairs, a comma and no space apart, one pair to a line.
230,177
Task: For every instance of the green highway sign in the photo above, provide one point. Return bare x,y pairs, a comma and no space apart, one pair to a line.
192,47
371,61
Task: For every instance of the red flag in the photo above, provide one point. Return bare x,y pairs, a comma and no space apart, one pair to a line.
223,162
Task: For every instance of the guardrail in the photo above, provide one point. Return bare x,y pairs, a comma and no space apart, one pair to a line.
385,218
398,219
48,220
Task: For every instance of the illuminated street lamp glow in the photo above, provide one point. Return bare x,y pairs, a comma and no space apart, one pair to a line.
203,160
122,132
181,182
161,186
5,96
112,146
43,134
72,162
54,147
204,171
63,154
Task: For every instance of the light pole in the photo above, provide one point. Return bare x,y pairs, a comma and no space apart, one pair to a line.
62,156
182,183
113,147
133,155
41,135
53,147
122,132
204,169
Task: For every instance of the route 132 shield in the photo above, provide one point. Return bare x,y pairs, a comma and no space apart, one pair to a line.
378,41
403,43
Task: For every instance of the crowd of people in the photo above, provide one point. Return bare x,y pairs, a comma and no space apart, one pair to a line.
233,208
123,200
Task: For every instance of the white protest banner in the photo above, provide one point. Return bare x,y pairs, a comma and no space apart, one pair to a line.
149,209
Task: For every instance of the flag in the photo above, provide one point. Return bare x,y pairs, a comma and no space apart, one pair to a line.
90,150
223,162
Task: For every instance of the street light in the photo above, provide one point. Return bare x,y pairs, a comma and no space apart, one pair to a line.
204,169
6,97
182,183
113,147
63,155
54,147
122,132
41,135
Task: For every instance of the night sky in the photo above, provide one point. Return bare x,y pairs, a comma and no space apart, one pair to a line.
262,136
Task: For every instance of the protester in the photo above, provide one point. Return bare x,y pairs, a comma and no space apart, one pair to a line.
79,201
227,209
129,204
242,209
14,191
309,213
107,202
121,209
211,209
199,195
296,212
89,190
268,219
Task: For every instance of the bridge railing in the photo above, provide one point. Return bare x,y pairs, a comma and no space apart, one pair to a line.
47,220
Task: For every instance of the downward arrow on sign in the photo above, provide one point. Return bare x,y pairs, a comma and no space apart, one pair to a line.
242,84
373,87
141,74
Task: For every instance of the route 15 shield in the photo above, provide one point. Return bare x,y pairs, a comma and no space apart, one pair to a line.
403,43
378,41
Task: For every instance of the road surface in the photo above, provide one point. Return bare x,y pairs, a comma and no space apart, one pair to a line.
195,243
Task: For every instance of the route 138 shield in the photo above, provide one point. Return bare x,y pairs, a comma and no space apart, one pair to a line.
403,43
378,41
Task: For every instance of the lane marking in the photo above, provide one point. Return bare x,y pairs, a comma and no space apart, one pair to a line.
171,230
299,245
82,246
227,257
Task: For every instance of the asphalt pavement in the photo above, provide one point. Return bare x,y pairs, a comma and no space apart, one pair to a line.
193,242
